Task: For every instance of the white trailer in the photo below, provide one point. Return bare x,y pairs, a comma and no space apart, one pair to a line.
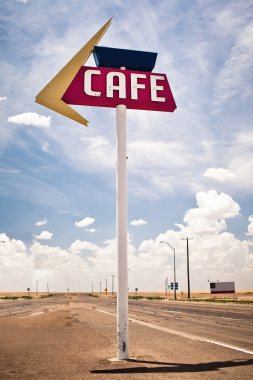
222,287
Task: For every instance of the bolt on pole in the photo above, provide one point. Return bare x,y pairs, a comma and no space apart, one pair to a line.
122,295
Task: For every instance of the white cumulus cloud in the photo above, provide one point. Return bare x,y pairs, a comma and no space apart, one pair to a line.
9,245
85,222
81,246
138,222
60,261
41,222
44,235
2,98
15,265
213,209
219,174
250,226
214,254
31,118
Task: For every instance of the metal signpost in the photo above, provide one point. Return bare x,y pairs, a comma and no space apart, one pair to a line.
122,79
113,284
169,287
166,288
174,251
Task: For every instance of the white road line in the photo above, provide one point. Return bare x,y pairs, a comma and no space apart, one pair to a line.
180,333
163,311
32,315
103,311
197,315
237,319
229,346
42,312
172,311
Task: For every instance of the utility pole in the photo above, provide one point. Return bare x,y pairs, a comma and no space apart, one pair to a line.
113,284
99,287
106,286
188,266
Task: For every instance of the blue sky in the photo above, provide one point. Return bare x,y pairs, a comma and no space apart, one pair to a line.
189,172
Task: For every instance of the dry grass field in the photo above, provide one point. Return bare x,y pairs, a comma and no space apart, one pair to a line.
244,295
239,295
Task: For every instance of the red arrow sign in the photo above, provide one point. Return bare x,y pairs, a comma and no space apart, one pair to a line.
105,87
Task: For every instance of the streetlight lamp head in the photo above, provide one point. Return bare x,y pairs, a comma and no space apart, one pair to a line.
167,244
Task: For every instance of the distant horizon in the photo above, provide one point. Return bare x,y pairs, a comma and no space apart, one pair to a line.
131,291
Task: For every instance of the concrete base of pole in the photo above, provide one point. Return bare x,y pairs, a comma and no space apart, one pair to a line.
113,360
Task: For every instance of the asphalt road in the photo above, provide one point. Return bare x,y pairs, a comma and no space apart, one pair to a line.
227,324
25,307
73,337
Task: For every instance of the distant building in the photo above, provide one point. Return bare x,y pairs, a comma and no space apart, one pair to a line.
222,287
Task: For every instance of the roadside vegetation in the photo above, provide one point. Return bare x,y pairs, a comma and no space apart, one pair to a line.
210,300
9,298
48,295
146,298
16,297
215,300
28,297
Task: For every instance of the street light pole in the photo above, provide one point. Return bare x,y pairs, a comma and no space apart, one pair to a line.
188,265
174,250
99,287
106,286
175,292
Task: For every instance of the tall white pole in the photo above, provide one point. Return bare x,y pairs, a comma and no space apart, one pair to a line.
122,295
